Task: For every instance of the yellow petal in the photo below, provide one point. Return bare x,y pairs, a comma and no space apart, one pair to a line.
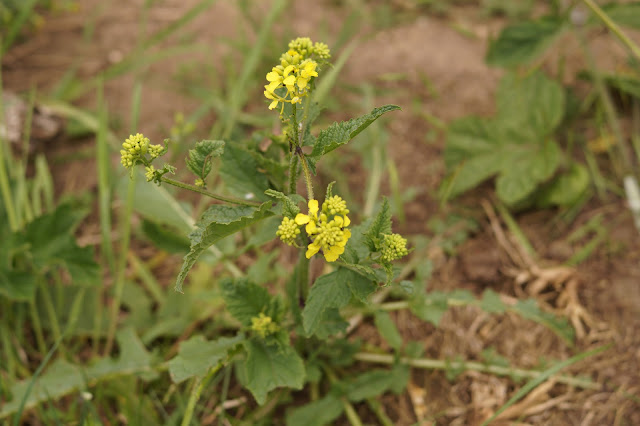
273,76
311,228
273,104
288,70
333,253
301,219
311,250
289,81
346,222
272,86
313,206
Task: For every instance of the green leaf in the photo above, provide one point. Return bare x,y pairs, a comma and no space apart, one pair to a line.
165,238
387,329
317,413
524,42
339,134
381,224
52,245
270,366
529,309
377,382
329,291
196,356
491,302
241,174
529,110
199,160
331,324
289,203
566,189
246,300
62,378
625,14
217,222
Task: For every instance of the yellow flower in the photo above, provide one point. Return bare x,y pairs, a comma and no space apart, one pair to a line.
150,173
393,247
328,234
263,325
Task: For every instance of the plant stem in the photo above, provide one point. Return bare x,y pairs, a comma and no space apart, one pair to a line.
613,27
198,386
437,364
307,173
194,188
293,171
350,412
37,327
5,188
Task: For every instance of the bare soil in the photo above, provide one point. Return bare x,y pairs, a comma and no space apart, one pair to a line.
601,296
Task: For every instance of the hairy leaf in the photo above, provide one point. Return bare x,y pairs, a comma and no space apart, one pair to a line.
246,300
339,134
329,291
199,160
217,222
271,366
196,356
387,329
377,382
566,189
241,174
523,42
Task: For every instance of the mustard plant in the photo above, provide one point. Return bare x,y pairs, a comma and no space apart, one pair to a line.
277,344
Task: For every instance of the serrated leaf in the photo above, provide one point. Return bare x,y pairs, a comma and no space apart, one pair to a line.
529,309
491,302
271,366
331,324
217,222
625,14
199,160
197,355
339,134
245,300
329,291
377,382
289,203
381,224
523,42
62,378
317,413
241,174
387,329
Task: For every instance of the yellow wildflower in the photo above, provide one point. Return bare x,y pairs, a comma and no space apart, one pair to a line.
288,231
328,230
263,325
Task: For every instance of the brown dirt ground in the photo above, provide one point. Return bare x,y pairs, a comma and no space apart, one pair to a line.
601,296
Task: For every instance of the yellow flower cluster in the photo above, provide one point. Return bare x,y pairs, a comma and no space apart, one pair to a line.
393,247
263,325
135,148
297,68
327,229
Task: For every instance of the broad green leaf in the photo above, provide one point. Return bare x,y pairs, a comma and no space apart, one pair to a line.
289,203
491,302
528,108
199,160
165,238
524,42
331,324
52,245
381,224
217,222
387,329
515,145
377,382
529,309
241,174
361,286
62,378
329,291
317,413
625,14
245,300
196,356
339,134
516,183
271,366
566,189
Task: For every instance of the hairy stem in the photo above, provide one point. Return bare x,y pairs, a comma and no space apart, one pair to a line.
198,386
